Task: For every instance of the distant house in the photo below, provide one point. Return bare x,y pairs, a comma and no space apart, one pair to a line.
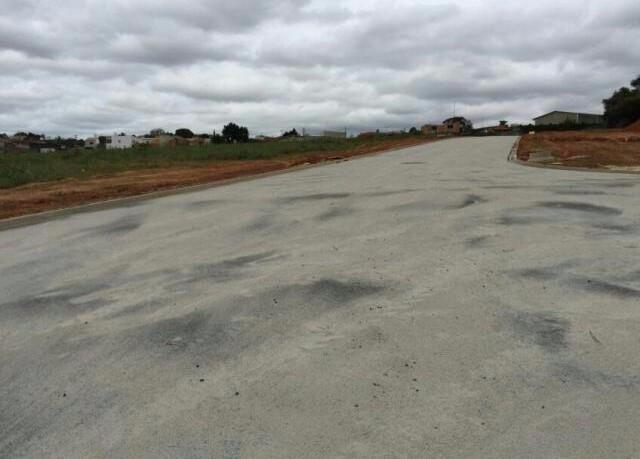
20,146
120,142
91,143
429,130
144,140
559,117
164,141
502,129
454,126
194,141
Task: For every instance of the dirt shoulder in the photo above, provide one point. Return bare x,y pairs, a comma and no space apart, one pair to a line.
607,150
41,197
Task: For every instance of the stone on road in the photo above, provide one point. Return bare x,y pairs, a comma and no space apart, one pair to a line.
432,302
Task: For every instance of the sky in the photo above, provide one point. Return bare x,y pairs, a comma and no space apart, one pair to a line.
78,67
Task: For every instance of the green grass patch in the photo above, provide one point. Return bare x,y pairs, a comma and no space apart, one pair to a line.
23,168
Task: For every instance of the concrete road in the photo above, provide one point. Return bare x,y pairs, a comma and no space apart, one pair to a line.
431,302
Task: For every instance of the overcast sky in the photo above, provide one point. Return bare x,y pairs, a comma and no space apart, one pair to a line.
99,66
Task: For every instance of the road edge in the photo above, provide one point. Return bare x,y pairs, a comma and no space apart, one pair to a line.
49,215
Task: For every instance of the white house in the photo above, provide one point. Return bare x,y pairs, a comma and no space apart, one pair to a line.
120,142
91,143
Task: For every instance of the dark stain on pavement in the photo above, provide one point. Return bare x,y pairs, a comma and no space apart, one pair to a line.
470,200
339,292
550,211
229,327
143,307
314,298
62,302
514,219
205,204
477,242
422,206
541,274
261,223
606,288
580,207
217,332
119,227
588,284
615,228
334,212
581,375
579,192
509,187
380,194
615,184
181,331
223,270
543,329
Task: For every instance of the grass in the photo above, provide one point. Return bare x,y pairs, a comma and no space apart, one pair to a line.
22,168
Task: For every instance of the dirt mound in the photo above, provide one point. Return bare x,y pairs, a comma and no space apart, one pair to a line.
635,127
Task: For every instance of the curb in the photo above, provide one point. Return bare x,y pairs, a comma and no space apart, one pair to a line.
513,154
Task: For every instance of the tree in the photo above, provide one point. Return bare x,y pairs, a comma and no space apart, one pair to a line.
414,131
184,133
503,122
29,135
157,132
291,133
623,107
234,133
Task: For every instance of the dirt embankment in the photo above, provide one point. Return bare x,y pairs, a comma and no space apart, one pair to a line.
614,149
40,197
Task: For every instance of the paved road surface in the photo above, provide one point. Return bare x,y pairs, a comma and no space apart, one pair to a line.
432,302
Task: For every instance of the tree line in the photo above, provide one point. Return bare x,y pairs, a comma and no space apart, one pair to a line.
231,133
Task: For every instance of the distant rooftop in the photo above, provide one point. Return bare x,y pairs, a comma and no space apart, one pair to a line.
567,113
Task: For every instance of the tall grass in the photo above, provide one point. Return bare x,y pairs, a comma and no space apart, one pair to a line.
22,168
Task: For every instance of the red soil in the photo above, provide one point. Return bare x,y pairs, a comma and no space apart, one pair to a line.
586,149
635,127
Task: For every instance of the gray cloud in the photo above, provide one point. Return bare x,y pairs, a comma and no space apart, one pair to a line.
217,15
165,50
25,37
85,66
